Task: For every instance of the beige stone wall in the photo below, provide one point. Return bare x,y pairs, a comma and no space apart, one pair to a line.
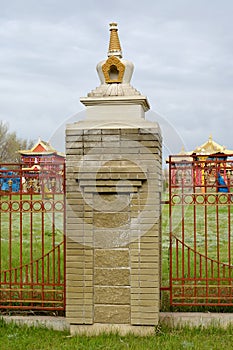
113,185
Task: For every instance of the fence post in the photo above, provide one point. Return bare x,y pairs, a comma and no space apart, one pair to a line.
113,187
113,228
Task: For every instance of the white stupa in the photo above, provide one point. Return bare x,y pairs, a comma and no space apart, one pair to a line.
115,99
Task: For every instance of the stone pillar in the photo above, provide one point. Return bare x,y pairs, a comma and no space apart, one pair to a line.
113,186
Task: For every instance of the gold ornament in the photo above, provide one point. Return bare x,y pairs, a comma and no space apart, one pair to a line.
113,70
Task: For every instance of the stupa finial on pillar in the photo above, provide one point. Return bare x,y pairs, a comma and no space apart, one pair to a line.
115,96
114,42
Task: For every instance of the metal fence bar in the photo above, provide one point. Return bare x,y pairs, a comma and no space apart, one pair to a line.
200,217
32,231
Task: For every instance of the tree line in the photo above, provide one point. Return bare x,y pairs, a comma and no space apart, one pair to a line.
10,144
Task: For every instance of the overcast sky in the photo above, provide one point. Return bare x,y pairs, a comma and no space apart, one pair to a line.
182,51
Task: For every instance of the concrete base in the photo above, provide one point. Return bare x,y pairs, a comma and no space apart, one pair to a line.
196,319
172,319
121,329
51,322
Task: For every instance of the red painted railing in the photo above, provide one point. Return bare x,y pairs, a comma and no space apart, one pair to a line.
201,219
32,243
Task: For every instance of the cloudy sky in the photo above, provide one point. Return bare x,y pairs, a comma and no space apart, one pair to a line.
182,51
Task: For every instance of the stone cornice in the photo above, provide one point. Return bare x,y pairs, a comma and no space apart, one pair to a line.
116,101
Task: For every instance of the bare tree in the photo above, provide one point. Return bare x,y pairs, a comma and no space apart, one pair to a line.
10,144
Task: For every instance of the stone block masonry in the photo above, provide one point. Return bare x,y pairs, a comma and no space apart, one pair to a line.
113,185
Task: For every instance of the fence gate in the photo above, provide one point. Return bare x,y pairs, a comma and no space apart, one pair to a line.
201,224
32,237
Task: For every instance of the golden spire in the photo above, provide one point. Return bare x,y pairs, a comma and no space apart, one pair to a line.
182,150
114,42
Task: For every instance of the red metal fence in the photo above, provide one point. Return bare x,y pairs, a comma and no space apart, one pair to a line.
201,223
32,231
32,243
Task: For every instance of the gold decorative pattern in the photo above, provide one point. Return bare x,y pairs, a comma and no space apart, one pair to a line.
114,43
113,70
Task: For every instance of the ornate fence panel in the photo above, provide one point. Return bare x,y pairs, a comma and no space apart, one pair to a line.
201,224
32,243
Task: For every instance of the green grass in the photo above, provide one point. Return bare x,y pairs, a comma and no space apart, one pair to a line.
13,337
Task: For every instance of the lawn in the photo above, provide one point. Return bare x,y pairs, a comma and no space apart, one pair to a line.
13,337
